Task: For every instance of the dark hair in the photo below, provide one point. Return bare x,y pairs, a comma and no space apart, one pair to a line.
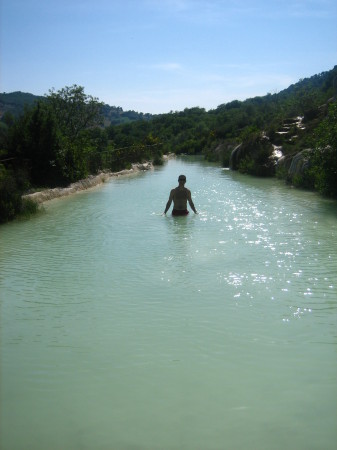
182,178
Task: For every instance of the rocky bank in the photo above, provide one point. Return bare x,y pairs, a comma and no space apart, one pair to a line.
90,182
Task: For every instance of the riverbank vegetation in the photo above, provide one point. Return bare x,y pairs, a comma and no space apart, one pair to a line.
66,135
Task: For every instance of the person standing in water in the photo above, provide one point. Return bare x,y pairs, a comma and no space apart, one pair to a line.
180,196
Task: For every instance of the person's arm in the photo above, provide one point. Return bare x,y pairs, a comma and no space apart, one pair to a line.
168,204
190,201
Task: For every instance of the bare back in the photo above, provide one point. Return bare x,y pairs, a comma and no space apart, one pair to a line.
180,196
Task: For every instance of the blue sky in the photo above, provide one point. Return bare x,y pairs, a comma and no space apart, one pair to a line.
165,55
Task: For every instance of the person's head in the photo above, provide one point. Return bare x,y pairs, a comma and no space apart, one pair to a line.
182,179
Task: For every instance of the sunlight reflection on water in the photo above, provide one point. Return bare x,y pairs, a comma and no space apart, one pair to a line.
121,328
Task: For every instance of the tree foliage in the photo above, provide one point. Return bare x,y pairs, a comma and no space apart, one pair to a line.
324,158
68,134
73,110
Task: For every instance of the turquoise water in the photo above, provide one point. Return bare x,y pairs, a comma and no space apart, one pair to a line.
124,329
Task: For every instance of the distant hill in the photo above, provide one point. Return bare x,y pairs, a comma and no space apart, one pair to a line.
114,115
15,102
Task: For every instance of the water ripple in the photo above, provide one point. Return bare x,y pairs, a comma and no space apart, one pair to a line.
107,306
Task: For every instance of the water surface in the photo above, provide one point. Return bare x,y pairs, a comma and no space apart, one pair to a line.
124,329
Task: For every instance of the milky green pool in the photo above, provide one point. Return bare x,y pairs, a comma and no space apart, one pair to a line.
124,329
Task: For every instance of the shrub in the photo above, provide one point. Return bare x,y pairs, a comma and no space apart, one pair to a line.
324,160
28,208
10,196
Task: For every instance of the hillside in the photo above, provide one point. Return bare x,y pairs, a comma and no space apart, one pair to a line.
298,99
15,103
291,134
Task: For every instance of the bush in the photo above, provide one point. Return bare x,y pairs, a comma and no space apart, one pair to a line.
28,208
10,196
324,160
247,165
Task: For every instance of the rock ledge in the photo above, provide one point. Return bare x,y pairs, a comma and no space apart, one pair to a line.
87,183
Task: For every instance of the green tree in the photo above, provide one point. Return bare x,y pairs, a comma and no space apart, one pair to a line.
74,110
34,144
75,113
324,158
10,198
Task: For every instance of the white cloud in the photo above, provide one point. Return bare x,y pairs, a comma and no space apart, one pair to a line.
217,10
169,66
